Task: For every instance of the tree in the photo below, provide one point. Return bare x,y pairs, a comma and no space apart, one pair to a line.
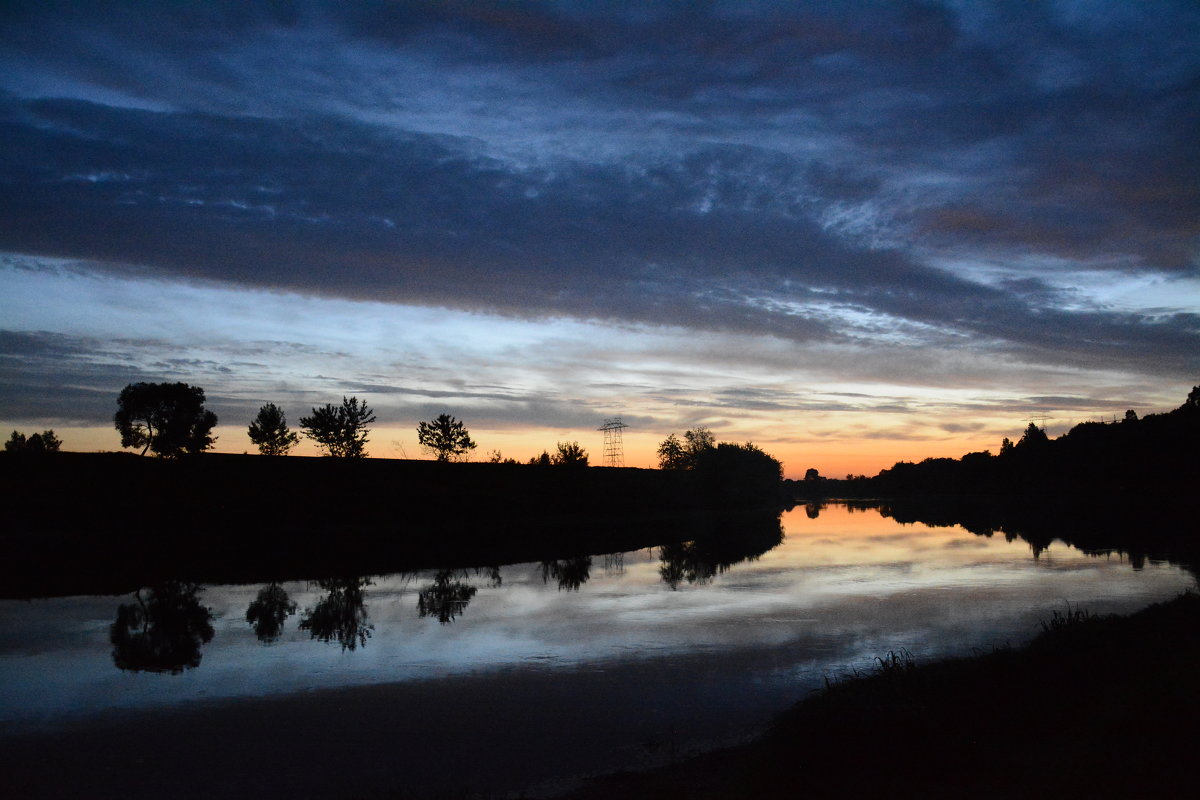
811,475
674,454
671,454
50,442
340,430
168,419
569,454
739,474
269,430
44,442
445,437
697,440
1033,437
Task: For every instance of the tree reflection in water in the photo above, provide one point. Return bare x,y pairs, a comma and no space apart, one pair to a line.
267,612
571,573
448,596
341,614
742,538
163,631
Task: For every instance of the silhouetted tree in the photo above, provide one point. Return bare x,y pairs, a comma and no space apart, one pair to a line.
811,474
340,430
698,440
542,460
1131,416
1033,437
569,454
269,430
341,614
44,442
676,454
267,612
671,454
1193,399
163,631
739,474
166,418
445,437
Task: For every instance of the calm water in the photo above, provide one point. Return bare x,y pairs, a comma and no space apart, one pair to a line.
510,678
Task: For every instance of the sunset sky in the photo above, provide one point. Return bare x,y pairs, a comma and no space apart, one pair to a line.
851,233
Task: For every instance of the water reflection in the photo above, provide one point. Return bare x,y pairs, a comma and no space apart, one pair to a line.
267,613
166,627
700,560
447,597
340,614
163,631
570,573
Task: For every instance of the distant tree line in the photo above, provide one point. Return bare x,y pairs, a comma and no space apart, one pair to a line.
1156,453
170,420
36,444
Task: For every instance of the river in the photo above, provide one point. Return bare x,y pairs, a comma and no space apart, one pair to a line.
506,679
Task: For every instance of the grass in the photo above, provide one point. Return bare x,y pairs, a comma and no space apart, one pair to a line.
1059,622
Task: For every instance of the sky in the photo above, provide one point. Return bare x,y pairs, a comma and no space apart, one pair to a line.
852,233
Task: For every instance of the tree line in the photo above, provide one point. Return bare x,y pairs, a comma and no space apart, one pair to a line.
1151,454
170,420
35,444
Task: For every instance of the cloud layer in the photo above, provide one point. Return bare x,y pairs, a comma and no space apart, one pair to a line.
1005,182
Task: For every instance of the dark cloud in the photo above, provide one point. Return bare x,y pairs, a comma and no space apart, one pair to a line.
62,379
664,163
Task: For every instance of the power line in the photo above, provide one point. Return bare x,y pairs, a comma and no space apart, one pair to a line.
614,447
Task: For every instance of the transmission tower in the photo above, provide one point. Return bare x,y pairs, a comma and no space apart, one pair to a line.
614,448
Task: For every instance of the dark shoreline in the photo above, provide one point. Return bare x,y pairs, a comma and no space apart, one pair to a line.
109,523
1095,707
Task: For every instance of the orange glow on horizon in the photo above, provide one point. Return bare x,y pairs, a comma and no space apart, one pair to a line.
832,458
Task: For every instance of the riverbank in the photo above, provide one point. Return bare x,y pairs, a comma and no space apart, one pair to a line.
109,523
1093,707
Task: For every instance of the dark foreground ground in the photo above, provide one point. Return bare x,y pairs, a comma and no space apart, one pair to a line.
1095,707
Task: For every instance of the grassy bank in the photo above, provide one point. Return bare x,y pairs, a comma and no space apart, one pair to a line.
1093,707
